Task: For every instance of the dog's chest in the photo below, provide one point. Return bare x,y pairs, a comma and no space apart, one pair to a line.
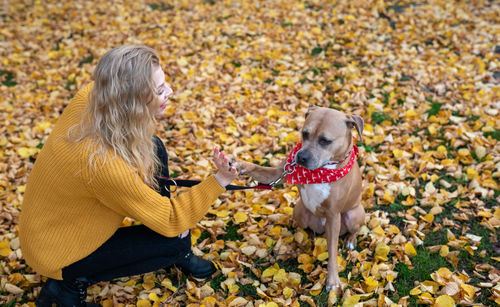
314,194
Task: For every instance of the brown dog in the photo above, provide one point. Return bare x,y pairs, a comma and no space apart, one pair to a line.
326,136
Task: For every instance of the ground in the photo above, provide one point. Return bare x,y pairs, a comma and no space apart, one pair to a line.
422,74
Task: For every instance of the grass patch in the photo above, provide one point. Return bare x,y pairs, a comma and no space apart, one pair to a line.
8,78
232,233
290,265
379,117
493,134
438,237
248,290
215,282
424,263
205,234
88,59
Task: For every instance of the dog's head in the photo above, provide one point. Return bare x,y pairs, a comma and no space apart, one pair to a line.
326,136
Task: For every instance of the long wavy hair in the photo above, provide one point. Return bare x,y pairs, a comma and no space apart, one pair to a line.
118,117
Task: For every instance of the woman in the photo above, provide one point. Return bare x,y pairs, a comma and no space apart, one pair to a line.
98,166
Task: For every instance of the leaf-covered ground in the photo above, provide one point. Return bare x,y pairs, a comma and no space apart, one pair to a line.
423,75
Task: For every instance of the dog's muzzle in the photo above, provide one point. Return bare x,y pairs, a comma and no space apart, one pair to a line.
305,159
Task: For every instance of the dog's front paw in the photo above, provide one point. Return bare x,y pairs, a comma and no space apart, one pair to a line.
336,288
351,241
240,166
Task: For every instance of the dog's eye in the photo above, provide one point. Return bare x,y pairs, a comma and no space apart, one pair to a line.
324,142
305,135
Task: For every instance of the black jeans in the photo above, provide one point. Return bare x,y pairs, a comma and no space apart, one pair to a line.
131,250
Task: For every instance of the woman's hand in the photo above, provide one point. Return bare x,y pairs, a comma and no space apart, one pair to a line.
226,172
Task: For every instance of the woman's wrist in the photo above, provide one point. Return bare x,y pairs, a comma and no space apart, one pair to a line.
221,180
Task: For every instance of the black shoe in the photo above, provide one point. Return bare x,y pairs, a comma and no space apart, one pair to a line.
64,293
196,266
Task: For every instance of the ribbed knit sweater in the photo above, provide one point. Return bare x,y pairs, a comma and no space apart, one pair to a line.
70,208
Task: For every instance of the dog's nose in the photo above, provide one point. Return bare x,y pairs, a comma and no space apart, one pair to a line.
302,157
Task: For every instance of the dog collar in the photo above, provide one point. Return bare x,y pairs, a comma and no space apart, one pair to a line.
296,174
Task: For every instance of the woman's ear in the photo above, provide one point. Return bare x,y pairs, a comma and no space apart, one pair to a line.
355,121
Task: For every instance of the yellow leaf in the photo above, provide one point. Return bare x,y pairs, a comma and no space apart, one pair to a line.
410,250
232,288
442,150
195,235
469,290
444,301
332,299
148,284
287,293
305,258
432,129
143,303
341,263
398,153
292,137
428,217
42,126
281,276
444,251
275,231
5,248
307,267
316,289
209,300
370,284
270,271
323,256
222,213
445,273
240,217
394,229
107,303
26,152
411,114
415,291
167,283
381,251
351,301
389,198
379,231
200,134
321,242
471,173
288,211
154,297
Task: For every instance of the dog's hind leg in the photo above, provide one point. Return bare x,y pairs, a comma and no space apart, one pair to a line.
352,221
305,218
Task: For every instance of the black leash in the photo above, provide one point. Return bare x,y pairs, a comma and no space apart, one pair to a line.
165,181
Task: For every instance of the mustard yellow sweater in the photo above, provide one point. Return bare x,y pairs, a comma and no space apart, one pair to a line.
69,209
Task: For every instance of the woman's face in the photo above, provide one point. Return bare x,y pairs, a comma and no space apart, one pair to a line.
162,91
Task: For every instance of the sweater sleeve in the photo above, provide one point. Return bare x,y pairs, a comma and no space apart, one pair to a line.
118,187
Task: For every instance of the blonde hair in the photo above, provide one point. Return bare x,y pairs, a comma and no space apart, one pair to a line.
118,116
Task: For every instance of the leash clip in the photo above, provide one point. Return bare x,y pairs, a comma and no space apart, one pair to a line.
288,168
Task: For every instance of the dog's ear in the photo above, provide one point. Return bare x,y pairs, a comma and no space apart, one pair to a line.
311,108
358,122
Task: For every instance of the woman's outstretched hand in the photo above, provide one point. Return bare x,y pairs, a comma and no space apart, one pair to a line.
226,172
